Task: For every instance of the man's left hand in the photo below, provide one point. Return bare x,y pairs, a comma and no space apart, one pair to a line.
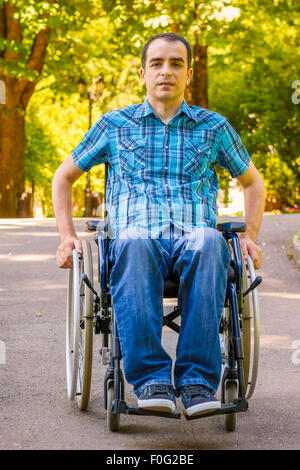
248,246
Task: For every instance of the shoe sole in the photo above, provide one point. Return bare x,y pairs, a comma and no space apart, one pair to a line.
165,406
203,408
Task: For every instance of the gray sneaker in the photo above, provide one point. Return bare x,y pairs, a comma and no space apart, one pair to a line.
198,399
158,397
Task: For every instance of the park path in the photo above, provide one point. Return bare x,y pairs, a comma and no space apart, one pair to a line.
34,410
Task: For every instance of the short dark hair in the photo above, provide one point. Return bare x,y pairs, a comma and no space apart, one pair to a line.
168,37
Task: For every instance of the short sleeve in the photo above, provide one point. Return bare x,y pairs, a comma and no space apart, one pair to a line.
94,147
232,155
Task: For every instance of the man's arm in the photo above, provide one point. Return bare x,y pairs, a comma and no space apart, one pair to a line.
254,193
64,177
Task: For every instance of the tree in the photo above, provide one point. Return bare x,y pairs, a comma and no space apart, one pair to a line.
252,54
256,93
34,39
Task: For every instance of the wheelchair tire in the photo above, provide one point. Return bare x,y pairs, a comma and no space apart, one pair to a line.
231,393
255,350
246,327
79,330
112,419
86,330
72,327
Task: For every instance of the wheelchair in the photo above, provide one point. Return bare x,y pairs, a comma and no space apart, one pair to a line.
90,312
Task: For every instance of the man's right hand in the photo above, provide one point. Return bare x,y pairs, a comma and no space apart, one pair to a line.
64,177
64,256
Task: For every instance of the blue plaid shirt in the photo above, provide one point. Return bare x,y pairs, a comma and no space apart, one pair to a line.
162,175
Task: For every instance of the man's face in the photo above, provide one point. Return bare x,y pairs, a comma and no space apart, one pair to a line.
166,73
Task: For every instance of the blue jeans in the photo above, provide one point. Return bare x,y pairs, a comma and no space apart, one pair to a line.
140,265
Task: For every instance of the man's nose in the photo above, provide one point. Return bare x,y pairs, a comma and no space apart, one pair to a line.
166,70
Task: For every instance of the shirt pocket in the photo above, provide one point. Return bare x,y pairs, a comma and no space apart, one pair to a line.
196,158
132,156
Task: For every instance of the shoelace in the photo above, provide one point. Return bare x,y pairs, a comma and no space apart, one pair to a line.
159,388
189,391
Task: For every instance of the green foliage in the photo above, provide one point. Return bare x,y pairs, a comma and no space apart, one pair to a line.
253,57
280,181
41,158
55,124
252,86
64,19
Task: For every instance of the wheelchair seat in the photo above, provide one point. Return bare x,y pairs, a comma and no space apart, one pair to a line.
171,284
171,288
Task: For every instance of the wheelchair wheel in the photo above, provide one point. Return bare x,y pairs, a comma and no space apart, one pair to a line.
112,419
79,334
254,355
246,326
231,393
229,384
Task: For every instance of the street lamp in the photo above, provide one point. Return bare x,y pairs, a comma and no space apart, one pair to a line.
92,95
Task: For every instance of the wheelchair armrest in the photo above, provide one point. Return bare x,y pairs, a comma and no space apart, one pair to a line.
232,227
94,226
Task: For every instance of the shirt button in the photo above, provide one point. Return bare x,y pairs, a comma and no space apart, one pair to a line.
167,147
166,167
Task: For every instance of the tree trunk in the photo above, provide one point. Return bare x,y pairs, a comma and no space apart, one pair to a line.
196,93
12,145
12,160
12,114
199,93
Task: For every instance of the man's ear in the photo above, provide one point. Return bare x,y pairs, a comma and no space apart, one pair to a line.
190,74
142,75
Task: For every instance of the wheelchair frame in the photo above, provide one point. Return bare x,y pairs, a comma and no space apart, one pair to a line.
95,314
91,313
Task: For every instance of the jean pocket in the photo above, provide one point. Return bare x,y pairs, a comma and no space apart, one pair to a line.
196,158
132,156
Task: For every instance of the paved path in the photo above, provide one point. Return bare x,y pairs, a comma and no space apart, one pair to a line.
34,410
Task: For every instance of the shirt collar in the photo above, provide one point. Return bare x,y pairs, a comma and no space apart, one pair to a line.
145,110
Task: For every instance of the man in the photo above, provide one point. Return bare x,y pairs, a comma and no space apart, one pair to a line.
161,197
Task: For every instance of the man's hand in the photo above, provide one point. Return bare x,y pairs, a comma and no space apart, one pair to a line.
63,179
64,256
249,246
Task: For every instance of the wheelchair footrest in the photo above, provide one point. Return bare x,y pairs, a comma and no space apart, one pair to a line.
239,405
123,408
139,411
